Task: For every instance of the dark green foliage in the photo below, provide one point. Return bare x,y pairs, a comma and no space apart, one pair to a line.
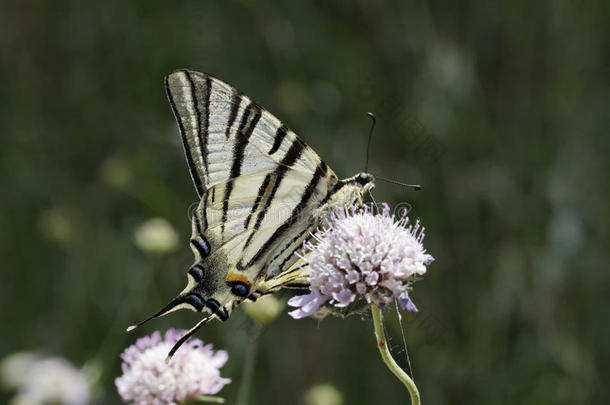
500,111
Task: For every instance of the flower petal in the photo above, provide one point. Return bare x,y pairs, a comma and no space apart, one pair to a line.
404,301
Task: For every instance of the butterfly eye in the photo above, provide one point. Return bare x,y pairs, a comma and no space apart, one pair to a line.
363,178
240,289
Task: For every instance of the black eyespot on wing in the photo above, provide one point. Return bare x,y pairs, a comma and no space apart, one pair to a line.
197,272
202,247
239,288
217,309
223,314
195,300
213,304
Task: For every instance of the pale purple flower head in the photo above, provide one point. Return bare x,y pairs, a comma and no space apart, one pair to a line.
363,254
44,380
192,372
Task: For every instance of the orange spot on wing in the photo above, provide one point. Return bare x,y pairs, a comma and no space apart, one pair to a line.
237,277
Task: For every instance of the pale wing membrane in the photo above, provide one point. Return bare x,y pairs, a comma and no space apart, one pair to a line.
266,219
226,135
275,248
260,181
257,200
260,186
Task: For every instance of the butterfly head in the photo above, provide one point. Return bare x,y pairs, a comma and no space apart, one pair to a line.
365,180
351,190
360,184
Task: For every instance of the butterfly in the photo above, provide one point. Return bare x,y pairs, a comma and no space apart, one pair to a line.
262,191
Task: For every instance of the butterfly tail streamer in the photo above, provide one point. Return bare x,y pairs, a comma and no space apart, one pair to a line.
171,306
187,335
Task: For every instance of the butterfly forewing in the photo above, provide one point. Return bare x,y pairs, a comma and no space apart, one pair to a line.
226,135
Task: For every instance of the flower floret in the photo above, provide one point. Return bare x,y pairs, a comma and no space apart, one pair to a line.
192,372
362,254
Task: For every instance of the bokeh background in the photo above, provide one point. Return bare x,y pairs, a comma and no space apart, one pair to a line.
499,109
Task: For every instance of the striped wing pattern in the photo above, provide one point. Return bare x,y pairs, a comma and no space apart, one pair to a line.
259,183
226,135
261,188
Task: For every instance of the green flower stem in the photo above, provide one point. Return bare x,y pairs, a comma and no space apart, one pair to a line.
248,373
388,359
207,398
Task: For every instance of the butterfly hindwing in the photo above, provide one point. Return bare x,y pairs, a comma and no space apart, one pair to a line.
264,221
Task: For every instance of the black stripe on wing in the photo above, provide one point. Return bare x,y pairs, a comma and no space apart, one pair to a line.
202,112
280,134
336,188
235,101
262,190
250,118
200,243
187,150
287,246
287,161
320,172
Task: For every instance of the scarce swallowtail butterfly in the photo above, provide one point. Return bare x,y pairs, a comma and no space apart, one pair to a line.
262,192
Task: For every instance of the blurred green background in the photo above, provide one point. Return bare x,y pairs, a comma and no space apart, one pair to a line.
499,109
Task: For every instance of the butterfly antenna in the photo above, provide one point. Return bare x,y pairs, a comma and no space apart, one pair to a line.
416,187
186,336
368,145
374,202
173,304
